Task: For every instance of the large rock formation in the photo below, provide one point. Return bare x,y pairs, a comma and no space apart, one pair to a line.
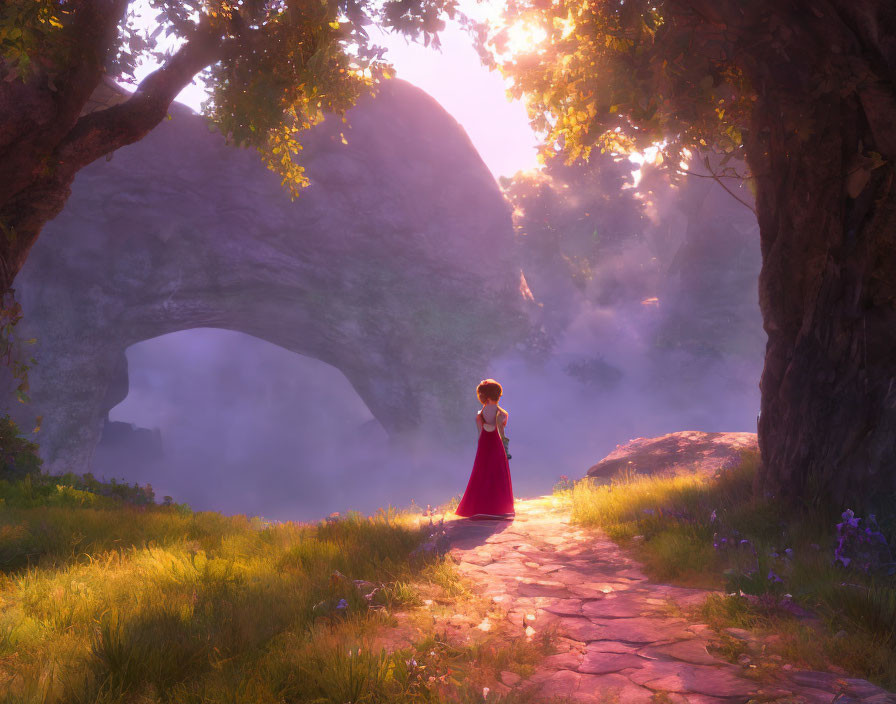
394,266
688,452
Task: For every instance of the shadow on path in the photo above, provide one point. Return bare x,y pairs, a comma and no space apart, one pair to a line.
467,533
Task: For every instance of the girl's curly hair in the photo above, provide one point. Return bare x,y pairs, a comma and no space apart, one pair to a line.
489,390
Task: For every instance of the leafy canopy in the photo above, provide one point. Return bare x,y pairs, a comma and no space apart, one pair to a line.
279,67
622,75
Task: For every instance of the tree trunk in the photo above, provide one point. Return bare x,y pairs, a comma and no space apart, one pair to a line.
826,200
23,217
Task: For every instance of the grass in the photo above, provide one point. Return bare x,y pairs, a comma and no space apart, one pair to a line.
669,517
107,598
713,532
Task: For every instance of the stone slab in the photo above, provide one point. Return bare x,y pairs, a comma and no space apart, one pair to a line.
691,651
615,606
599,663
684,678
644,630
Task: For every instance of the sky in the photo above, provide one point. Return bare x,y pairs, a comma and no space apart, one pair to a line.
474,96
498,127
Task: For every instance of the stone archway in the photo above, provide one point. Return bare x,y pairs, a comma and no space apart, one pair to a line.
224,421
395,266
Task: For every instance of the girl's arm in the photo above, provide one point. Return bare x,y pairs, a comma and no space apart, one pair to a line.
479,422
501,422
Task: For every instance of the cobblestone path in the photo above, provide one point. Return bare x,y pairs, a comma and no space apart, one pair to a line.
618,642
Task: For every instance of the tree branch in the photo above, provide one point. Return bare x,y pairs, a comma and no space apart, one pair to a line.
715,177
102,132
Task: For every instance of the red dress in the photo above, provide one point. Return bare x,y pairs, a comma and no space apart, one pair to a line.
489,492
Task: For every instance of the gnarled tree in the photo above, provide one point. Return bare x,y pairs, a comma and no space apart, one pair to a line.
274,67
805,92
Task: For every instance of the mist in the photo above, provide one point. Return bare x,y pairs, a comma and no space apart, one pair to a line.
641,291
248,427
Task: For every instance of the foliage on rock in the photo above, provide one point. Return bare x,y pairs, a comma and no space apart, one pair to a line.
18,455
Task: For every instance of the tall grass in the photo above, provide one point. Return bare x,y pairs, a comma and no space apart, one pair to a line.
48,536
109,598
672,517
713,532
106,597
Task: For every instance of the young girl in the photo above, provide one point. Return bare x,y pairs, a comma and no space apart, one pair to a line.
489,493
